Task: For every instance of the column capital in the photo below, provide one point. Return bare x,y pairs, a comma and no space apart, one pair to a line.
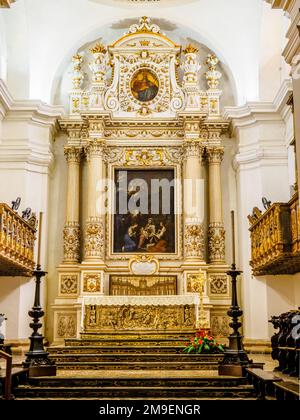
95,148
192,149
214,155
73,154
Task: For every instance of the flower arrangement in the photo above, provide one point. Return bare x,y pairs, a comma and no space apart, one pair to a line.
203,342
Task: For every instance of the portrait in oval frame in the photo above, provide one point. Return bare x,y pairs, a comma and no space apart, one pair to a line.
144,85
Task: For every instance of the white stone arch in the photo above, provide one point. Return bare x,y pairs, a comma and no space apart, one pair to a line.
192,35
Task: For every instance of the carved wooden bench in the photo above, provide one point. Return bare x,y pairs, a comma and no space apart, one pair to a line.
262,381
287,391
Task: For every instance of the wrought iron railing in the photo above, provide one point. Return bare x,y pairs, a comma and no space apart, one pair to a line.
17,238
275,239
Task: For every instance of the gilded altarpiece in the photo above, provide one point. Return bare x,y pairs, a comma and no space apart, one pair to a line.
151,113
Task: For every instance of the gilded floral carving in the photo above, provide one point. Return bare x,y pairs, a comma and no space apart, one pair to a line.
66,325
135,318
218,284
220,325
69,284
216,242
94,238
92,283
71,243
194,241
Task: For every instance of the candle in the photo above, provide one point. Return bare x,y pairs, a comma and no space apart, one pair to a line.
40,239
233,237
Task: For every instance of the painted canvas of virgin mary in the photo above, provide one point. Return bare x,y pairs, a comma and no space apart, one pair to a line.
144,85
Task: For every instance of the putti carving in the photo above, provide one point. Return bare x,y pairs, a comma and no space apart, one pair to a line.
194,242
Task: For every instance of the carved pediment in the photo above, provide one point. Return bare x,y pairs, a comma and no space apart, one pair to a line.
139,76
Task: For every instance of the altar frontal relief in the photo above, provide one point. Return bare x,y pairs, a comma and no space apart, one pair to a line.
144,219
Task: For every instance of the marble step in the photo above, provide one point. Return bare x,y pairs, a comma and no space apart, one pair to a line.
173,342
243,391
137,358
116,349
138,381
177,335
186,364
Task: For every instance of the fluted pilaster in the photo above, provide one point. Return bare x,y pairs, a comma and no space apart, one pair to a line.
216,232
194,244
72,227
94,246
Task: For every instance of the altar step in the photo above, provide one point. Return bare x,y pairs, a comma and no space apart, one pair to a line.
136,342
113,349
134,362
136,339
135,388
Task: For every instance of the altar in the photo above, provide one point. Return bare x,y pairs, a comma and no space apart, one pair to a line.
139,313
144,212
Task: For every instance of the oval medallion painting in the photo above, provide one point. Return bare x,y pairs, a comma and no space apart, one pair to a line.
144,85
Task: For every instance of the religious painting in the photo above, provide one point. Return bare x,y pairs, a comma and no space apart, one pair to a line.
144,219
144,85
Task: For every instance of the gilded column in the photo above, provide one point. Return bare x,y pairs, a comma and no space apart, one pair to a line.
194,244
72,228
216,232
94,234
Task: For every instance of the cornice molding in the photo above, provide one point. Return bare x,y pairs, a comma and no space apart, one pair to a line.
253,112
34,111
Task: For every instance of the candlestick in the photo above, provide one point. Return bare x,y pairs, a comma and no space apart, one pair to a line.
40,240
233,238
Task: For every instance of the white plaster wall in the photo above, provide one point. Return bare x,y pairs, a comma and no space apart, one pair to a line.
262,169
57,206
47,33
3,50
25,164
272,68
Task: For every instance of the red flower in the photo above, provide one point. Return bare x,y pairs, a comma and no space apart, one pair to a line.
210,338
200,342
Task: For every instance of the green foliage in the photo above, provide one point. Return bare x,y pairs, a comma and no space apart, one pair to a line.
203,343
